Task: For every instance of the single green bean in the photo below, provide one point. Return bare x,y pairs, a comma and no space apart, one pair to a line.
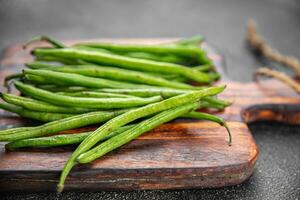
36,105
209,117
126,62
80,80
54,88
134,132
59,140
165,93
40,116
95,94
15,130
130,116
68,123
58,59
83,102
179,50
40,80
115,74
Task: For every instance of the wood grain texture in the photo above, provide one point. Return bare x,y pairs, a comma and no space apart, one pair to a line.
180,154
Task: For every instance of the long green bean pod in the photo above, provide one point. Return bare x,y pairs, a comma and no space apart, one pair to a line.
179,50
134,132
116,74
59,140
165,93
126,62
15,130
83,102
40,116
68,123
95,94
36,105
80,80
130,116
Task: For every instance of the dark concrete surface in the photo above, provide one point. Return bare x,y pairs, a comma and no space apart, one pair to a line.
277,174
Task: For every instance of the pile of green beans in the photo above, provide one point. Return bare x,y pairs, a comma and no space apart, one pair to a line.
112,85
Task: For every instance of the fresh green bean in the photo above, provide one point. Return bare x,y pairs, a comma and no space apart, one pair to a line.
130,116
115,74
40,80
36,105
54,88
95,94
165,93
126,62
83,102
40,116
134,132
59,140
68,123
80,80
14,130
209,117
179,50
58,59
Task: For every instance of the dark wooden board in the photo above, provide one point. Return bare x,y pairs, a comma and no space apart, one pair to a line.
180,154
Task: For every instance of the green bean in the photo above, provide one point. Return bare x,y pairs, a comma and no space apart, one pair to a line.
130,116
80,80
14,130
58,59
134,132
83,102
209,117
68,123
146,56
126,62
40,80
36,105
115,74
179,50
54,88
40,116
161,58
165,93
59,140
95,94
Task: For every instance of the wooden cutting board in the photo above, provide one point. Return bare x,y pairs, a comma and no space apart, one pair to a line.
180,154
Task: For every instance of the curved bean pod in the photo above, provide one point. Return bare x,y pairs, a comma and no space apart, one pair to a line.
209,117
